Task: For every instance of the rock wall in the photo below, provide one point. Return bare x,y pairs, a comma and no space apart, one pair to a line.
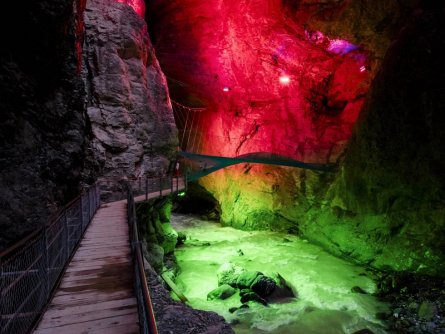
133,129
42,130
331,50
387,201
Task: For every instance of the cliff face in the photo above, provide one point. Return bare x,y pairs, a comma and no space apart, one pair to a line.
81,96
133,129
388,197
331,51
42,130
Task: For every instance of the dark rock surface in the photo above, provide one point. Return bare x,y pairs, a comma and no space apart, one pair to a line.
222,292
417,303
42,126
386,205
129,108
175,317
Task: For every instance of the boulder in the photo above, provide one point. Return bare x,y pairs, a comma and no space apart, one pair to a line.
222,292
252,297
228,273
246,279
263,285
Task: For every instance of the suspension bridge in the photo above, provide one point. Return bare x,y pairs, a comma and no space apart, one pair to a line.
190,123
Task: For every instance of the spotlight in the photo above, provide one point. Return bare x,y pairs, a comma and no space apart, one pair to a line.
284,79
362,69
226,89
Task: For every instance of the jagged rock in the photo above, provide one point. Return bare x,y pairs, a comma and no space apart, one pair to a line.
364,331
222,292
154,254
176,317
427,310
283,289
181,238
228,273
357,289
263,285
246,279
252,297
167,236
130,113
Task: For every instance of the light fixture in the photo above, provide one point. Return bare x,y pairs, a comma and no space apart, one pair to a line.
362,69
226,89
284,79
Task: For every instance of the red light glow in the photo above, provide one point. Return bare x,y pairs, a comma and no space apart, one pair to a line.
137,5
284,79
226,89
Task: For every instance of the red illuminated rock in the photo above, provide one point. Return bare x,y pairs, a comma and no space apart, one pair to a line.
129,108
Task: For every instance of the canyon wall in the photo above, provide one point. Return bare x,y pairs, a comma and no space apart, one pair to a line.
82,98
133,129
231,62
42,129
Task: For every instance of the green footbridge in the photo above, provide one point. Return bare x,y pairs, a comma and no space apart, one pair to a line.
202,164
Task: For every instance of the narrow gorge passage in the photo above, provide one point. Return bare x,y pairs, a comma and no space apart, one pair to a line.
332,295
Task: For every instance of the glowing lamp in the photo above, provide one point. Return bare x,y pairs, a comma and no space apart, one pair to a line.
362,69
226,89
284,80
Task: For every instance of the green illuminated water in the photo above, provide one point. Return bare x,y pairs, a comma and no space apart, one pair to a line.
325,303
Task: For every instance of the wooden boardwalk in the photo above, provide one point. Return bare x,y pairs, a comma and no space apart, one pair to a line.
96,292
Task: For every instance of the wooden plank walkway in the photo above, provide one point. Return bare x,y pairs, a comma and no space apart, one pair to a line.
96,292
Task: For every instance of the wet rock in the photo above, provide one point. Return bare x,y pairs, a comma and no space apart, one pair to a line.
132,123
263,285
154,255
357,289
246,279
244,291
427,310
364,331
176,317
222,292
228,273
181,238
167,236
283,289
252,297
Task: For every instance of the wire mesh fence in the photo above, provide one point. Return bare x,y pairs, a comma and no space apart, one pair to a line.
31,268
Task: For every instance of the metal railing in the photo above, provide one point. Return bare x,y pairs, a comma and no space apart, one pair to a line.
117,186
147,319
31,269
161,185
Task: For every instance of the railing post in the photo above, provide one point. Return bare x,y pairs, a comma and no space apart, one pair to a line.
177,183
66,237
46,264
160,186
1,288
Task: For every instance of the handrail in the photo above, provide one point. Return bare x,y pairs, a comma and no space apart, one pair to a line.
32,268
147,318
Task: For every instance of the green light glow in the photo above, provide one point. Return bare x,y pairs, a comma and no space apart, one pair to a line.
181,194
325,303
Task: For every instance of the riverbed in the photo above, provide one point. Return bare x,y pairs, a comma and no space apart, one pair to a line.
325,303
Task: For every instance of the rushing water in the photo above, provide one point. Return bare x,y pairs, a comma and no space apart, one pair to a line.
325,303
